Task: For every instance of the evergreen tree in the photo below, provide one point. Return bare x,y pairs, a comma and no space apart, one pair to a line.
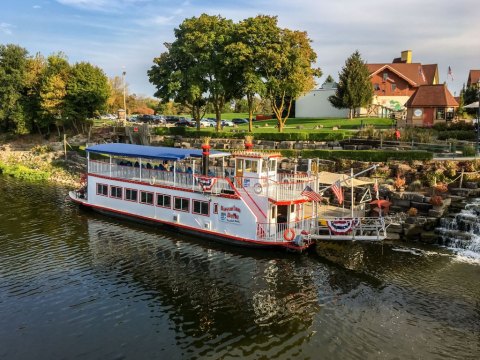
354,89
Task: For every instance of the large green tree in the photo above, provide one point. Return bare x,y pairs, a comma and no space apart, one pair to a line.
87,94
251,37
13,76
178,80
355,89
287,71
193,70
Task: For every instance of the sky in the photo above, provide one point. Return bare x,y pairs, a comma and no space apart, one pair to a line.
126,35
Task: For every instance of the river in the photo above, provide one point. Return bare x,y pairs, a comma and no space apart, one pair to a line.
78,285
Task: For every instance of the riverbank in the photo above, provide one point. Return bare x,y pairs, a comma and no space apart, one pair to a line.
41,161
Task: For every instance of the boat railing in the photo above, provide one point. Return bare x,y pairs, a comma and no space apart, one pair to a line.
356,228
285,232
289,189
178,179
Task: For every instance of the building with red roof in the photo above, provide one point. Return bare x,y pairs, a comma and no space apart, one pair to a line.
473,78
395,82
430,104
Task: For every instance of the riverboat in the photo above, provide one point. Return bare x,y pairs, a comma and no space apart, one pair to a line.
239,197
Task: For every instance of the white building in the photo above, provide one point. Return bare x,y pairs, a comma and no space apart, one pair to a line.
315,104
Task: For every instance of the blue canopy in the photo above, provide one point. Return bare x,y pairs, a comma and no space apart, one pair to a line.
149,152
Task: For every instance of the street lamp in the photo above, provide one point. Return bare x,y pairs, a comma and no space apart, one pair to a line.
124,92
478,117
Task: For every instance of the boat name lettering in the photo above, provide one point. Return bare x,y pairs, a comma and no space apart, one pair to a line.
231,208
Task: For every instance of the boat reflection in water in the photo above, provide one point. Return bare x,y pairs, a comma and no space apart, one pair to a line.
215,300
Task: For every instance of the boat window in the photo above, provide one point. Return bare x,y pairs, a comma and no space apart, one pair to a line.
251,166
181,204
116,192
215,208
164,200
131,195
239,164
146,197
102,189
272,164
200,207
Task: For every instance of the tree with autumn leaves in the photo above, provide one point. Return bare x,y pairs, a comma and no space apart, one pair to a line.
39,94
214,60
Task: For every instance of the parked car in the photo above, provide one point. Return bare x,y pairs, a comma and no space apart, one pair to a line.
171,119
227,123
207,123
240,121
185,122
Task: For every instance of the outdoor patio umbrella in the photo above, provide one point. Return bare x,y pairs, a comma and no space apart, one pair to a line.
473,105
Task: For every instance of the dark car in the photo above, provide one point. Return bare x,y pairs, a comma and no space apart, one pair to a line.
171,119
240,121
185,122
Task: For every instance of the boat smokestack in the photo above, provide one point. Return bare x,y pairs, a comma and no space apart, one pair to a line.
248,142
205,155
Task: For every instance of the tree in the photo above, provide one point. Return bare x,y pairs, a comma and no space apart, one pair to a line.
354,89
251,37
329,79
13,76
87,94
115,99
288,73
177,79
53,90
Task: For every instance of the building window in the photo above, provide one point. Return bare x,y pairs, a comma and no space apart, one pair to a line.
102,189
164,201
200,207
131,195
146,197
440,114
181,204
385,76
393,87
116,192
376,87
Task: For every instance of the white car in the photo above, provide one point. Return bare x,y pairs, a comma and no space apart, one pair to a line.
227,123
207,123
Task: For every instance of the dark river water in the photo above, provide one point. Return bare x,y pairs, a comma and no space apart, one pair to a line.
78,285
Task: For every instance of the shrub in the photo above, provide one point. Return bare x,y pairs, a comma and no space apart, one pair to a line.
436,200
415,185
441,188
399,182
367,155
412,212
468,135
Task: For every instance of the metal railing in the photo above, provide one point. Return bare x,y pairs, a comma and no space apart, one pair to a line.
285,232
159,177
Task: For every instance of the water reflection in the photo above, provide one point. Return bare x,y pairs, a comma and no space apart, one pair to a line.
74,284
209,293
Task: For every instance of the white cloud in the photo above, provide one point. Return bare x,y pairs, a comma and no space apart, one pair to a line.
36,6
6,28
100,5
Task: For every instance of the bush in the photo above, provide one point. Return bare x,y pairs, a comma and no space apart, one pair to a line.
468,135
436,200
367,155
412,212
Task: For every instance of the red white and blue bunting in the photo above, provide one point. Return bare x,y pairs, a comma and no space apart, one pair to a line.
206,183
342,226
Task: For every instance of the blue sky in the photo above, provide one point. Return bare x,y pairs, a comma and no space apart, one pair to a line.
128,34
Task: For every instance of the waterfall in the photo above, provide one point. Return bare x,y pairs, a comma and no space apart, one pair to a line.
461,232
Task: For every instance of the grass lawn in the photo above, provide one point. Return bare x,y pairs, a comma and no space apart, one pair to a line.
303,124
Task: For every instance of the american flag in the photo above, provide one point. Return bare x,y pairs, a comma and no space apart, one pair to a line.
337,190
450,73
312,195
420,71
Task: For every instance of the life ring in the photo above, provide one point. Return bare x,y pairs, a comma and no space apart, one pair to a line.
257,188
152,180
289,234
